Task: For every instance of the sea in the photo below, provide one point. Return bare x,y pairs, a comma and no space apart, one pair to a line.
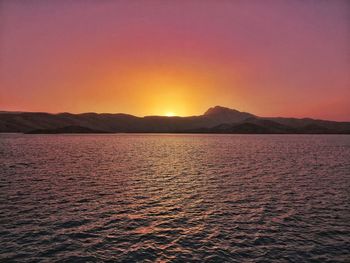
174,198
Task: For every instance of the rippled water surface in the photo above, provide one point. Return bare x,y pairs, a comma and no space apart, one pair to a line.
174,198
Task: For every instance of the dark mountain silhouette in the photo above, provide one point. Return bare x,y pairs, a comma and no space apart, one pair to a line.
214,120
225,115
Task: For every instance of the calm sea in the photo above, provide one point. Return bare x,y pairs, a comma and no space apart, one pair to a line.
174,198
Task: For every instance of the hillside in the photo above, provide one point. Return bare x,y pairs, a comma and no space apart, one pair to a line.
215,120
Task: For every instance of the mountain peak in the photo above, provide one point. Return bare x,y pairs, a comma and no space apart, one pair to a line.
226,115
220,110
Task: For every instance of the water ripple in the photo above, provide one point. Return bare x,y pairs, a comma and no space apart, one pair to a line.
174,198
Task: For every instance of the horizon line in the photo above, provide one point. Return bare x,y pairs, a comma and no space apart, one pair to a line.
164,116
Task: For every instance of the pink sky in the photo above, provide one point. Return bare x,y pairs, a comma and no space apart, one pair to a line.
270,58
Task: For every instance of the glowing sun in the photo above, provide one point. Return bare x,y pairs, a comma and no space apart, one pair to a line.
170,114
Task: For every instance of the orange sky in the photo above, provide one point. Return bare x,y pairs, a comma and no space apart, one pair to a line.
278,58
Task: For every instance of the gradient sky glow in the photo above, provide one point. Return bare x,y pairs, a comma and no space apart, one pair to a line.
151,57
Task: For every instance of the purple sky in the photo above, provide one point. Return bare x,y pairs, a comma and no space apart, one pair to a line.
285,58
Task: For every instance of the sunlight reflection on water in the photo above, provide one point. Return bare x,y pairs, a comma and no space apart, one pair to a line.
174,198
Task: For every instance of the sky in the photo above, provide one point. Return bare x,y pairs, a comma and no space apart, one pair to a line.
160,57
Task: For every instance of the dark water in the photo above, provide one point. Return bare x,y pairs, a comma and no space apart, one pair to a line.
175,198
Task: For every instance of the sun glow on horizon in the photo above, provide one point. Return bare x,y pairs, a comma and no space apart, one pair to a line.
169,114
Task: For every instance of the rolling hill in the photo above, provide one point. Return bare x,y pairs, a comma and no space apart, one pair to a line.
215,120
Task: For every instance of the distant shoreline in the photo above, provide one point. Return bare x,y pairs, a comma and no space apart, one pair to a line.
170,133
216,120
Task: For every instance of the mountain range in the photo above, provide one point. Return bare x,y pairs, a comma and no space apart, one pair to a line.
215,120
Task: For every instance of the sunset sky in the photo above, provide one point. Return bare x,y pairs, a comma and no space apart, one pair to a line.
150,57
